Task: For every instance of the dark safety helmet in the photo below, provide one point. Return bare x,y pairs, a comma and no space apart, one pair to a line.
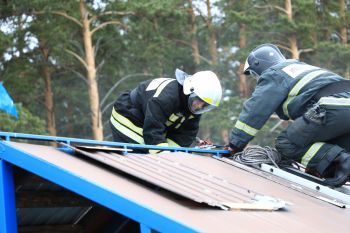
261,58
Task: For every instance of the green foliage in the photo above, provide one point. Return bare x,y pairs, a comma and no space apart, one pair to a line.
5,41
214,124
27,122
333,56
152,39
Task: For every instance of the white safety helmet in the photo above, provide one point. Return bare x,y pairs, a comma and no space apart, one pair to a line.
204,90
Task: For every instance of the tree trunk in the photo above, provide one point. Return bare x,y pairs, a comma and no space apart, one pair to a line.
293,43
212,37
97,127
49,102
225,136
194,42
243,87
343,31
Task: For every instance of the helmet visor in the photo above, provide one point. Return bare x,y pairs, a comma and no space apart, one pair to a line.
197,106
246,70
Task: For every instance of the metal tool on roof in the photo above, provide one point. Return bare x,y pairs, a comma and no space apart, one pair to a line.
261,158
331,195
207,144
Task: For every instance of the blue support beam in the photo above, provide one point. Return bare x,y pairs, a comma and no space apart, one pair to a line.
9,136
144,229
8,221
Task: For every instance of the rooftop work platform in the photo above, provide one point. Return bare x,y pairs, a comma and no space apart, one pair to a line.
167,192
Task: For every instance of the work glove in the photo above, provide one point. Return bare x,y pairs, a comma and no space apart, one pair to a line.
201,142
234,149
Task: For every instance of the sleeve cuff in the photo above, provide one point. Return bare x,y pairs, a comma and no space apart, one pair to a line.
235,148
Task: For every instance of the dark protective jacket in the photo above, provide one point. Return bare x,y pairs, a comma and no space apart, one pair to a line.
287,89
159,108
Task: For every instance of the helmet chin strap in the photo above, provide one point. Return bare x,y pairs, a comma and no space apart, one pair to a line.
253,74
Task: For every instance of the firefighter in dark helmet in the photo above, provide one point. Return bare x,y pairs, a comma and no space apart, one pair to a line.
165,111
318,102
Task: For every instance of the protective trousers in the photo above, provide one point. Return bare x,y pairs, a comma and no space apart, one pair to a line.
318,137
119,136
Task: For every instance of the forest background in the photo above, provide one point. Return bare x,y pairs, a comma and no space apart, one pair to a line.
64,62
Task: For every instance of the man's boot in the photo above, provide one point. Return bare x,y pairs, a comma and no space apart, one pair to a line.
341,172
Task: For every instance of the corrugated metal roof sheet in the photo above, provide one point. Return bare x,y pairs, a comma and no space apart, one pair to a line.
307,214
186,180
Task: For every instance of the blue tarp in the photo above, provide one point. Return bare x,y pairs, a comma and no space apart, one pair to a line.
6,103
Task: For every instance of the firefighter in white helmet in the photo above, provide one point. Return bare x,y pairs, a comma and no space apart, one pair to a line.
165,111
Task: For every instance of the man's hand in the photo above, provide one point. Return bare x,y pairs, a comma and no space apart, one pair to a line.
233,149
202,143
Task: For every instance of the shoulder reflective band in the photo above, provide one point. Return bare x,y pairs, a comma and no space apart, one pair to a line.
157,151
334,101
154,84
298,86
161,87
294,70
246,128
310,153
125,126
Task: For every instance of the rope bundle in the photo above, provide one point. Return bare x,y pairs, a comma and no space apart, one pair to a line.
255,155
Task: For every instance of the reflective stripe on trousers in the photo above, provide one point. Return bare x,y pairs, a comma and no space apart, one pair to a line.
316,142
126,127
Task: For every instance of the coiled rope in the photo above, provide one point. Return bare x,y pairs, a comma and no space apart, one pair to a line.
256,155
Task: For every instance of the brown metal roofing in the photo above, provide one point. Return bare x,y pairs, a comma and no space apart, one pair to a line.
307,214
186,180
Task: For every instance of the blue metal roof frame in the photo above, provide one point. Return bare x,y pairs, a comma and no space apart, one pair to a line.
8,136
91,191
147,218
307,214
7,198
